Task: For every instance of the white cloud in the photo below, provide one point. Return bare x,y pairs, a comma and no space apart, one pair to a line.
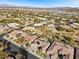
75,1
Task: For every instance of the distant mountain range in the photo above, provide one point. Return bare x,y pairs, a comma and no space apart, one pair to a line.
6,5
57,8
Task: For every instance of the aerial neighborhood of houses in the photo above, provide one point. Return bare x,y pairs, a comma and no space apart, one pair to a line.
44,33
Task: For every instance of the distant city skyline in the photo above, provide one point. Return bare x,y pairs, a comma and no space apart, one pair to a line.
42,3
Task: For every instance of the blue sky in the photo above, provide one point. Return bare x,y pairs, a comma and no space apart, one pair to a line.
42,3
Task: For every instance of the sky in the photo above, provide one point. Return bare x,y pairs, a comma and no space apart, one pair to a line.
42,3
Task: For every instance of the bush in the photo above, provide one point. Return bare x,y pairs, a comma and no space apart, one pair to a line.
69,40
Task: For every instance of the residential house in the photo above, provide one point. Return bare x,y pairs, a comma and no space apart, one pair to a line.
60,51
39,42
30,37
